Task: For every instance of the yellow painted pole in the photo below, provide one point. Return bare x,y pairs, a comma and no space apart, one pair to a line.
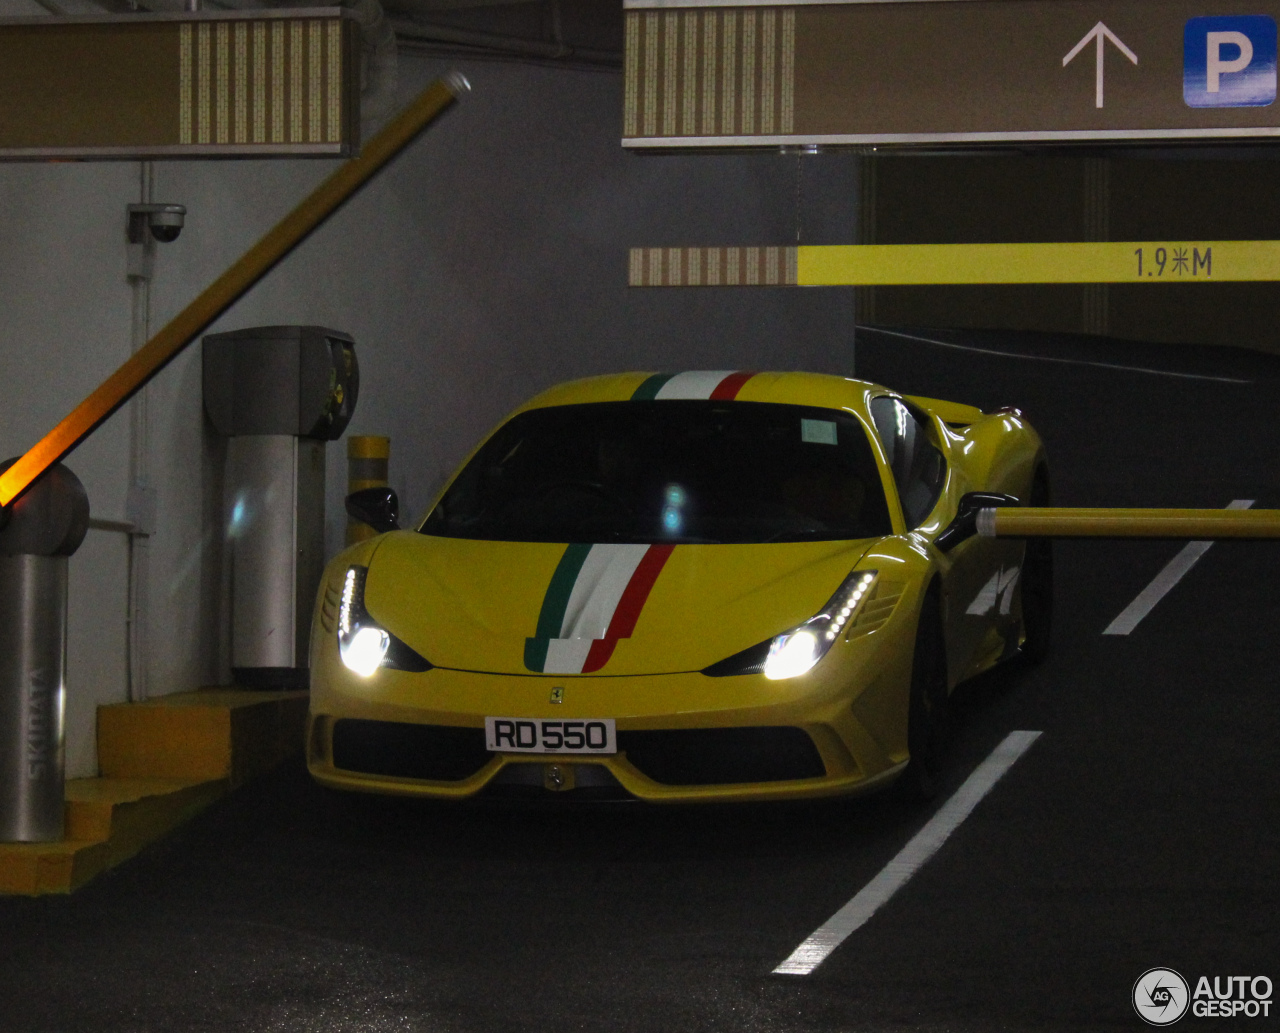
230,286
1058,522
368,458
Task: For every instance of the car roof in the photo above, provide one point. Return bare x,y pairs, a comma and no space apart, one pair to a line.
823,390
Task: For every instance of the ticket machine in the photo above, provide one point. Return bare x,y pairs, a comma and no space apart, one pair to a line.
278,393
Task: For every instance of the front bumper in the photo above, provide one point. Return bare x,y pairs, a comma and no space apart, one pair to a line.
840,729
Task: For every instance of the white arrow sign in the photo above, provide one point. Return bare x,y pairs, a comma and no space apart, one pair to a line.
1100,33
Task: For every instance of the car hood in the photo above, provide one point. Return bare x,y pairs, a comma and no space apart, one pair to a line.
544,608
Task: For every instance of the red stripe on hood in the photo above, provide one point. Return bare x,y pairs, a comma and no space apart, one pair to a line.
598,655
637,591
632,602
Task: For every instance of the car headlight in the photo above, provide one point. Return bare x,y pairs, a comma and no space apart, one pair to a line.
362,643
795,652
798,650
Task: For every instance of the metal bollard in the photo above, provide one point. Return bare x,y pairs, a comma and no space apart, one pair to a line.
33,625
37,534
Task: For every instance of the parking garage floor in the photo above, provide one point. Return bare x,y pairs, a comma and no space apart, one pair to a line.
1141,829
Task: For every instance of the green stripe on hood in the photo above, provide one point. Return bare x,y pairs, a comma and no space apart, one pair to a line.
554,604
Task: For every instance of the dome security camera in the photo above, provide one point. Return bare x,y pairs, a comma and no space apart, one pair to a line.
165,221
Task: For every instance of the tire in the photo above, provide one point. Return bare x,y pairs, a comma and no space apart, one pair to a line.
928,709
1037,583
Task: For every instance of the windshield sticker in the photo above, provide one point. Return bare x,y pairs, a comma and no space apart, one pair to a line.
713,385
818,432
594,599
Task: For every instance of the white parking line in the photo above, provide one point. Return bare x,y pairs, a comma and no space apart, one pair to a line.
1131,616
816,949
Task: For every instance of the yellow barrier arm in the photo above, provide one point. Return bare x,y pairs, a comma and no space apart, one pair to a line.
1058,522
230,286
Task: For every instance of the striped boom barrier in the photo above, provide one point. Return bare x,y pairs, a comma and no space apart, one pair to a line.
230,286
1059,522
899,265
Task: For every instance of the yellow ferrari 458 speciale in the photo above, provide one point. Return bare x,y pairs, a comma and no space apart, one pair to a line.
697,586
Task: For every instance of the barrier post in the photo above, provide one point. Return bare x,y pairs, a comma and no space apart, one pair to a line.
44,528
367,462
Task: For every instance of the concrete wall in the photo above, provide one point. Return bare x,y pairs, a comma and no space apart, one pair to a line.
485,264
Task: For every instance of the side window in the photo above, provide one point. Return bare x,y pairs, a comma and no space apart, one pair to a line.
918,468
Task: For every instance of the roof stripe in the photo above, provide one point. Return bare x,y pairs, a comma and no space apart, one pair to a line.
727,390
693,384
721,385
650,388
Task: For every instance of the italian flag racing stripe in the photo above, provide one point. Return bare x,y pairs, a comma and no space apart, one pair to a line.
646,391
727,390
556,600
717,385
595,598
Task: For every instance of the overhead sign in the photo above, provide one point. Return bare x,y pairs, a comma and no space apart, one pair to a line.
224,84
1229,62
710,73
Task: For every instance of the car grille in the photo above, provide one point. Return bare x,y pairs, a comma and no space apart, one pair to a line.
440,753
721,756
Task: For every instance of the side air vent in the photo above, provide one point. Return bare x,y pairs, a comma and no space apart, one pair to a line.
329,607
878,609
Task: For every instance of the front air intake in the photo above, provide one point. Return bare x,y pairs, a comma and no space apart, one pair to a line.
722,756
436,753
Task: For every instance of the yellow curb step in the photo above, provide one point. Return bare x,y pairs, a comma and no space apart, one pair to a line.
162,762
210,733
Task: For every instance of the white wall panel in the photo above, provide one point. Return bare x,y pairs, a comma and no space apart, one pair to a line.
65,322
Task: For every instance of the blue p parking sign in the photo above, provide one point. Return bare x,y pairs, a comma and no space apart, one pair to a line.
1229,62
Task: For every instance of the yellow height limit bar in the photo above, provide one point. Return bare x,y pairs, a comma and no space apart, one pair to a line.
874,265
230,286
1046,522
900,265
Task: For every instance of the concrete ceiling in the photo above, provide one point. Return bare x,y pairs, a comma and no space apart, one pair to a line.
575,31
570,32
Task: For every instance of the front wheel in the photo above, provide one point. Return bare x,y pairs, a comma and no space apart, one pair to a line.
928,708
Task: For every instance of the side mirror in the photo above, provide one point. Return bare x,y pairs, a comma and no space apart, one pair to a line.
377,507
965,525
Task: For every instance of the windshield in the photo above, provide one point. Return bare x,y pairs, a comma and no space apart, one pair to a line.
669,471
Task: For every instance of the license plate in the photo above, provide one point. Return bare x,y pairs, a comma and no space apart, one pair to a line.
534,735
